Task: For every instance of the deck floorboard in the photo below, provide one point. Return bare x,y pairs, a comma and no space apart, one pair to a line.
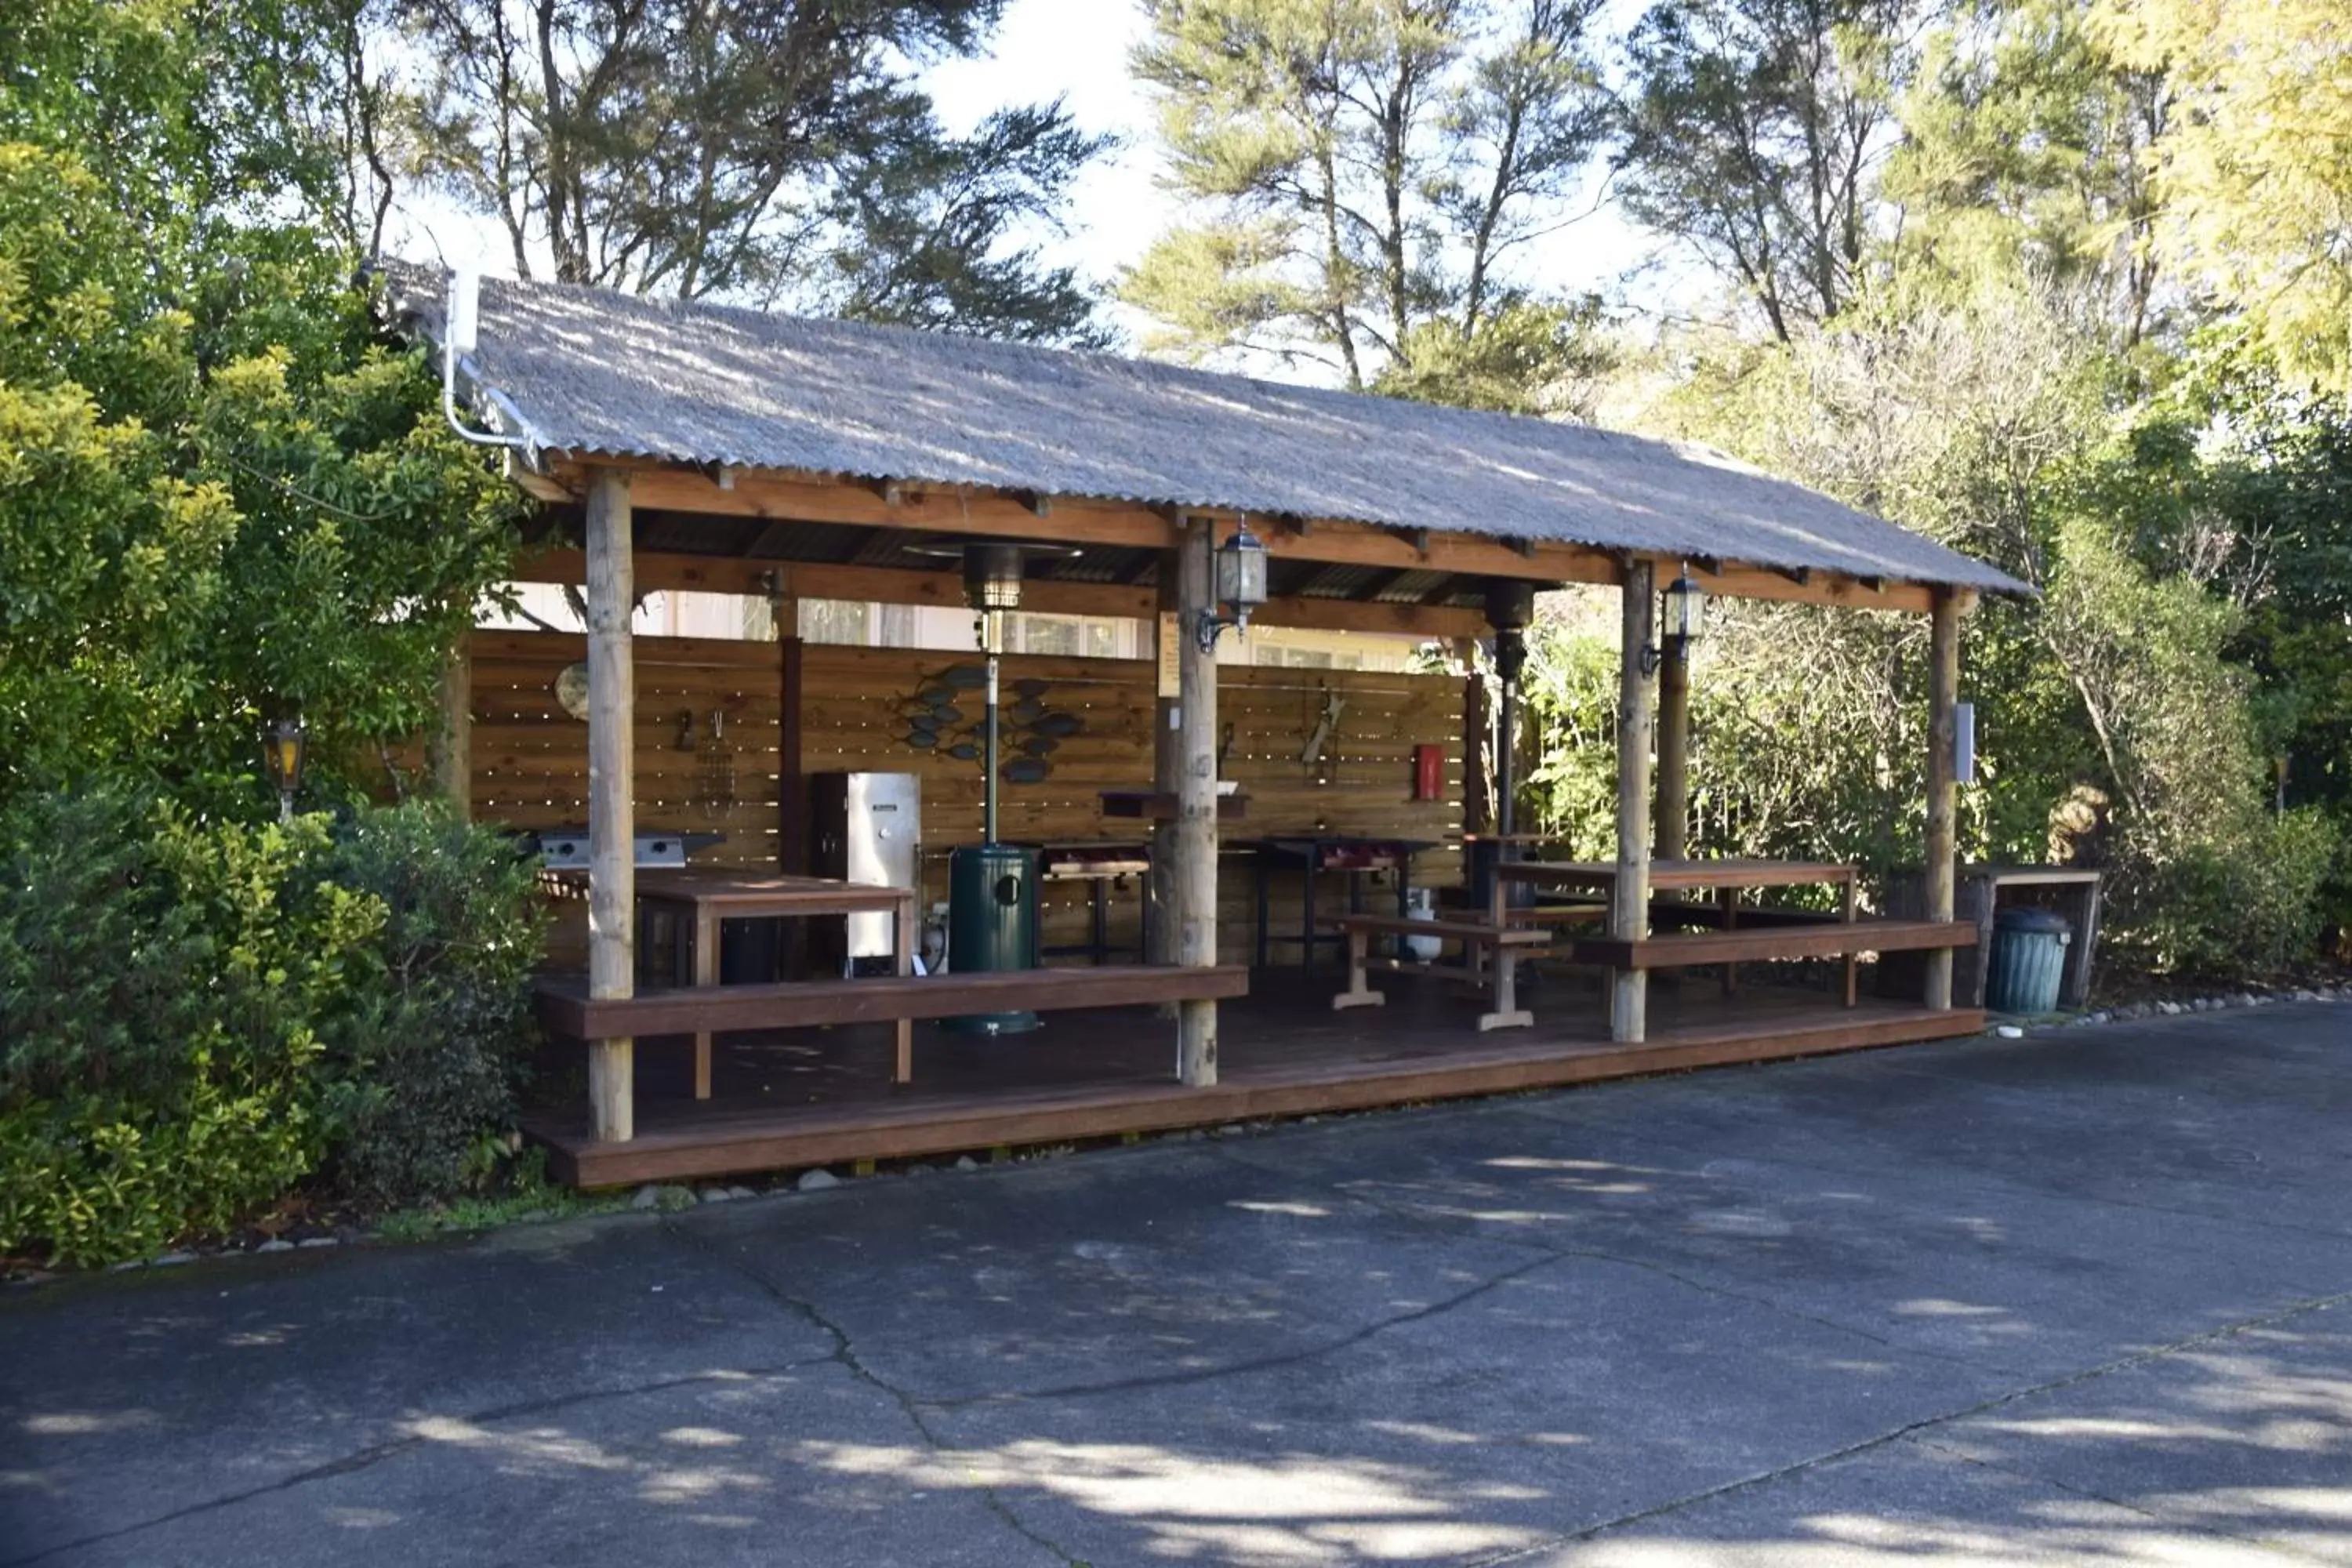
787,1100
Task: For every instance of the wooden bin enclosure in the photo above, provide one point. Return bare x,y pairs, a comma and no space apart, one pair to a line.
529,757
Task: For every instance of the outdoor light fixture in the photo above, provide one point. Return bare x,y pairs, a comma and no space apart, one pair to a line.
1683,601
1686,602
1240,567
281,758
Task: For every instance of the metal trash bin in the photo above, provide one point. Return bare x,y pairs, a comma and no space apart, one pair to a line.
2029,960
992,924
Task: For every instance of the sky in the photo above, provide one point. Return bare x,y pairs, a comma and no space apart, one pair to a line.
1077,50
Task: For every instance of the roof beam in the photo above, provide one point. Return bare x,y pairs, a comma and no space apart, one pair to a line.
814,498
1736,582
890,586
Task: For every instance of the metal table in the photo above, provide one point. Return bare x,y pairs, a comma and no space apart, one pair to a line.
1312,853
1100,863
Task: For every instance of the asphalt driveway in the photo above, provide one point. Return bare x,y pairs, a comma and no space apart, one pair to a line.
2084,1297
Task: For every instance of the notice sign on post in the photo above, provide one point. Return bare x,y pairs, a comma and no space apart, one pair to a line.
1171,682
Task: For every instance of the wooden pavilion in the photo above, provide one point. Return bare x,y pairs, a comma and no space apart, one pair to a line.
695,448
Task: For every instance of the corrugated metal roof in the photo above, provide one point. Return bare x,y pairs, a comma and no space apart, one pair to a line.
591,372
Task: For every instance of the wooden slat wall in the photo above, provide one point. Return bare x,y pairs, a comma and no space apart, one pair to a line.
529,757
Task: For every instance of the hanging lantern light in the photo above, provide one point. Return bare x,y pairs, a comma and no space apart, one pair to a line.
282,749
1685,603
1241,588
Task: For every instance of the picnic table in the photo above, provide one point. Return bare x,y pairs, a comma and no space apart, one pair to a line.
1728,878
702,898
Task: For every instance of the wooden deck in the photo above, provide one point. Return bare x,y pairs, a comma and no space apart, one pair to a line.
784,1101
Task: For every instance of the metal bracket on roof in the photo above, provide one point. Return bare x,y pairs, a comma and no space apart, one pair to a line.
1523,548
460,329
1876,585
1037,502
892,492
1710,565
1416,537
1800,575
722,475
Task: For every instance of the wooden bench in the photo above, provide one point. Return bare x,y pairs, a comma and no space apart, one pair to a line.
568,1011
1754,944
1505,945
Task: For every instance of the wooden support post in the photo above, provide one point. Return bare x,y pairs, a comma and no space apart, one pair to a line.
1193,880
1850,910
706,974
453,747
1674,749
1167,767
1628,897
905,939
1943,839
612,799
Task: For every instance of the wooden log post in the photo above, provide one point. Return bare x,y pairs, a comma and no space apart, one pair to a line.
612,799
453,741
1628,897
1943,839
1193,882
1674,749
1167,767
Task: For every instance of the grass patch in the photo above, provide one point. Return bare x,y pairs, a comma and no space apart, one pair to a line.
526,1195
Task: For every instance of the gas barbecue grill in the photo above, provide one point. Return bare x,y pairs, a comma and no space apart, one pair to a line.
566,848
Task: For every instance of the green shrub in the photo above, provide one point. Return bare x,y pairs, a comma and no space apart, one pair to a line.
159,980
423,1057
2233,902
196,1016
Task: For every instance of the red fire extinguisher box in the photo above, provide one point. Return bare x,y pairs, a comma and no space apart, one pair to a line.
1428,772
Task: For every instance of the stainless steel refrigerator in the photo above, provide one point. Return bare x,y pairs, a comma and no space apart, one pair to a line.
866,827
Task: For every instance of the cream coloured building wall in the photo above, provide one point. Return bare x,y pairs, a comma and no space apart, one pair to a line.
544,605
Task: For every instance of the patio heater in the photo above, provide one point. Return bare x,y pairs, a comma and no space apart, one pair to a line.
1510,605
992,885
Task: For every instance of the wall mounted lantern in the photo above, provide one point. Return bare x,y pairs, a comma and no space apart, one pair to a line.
1683,603
1240,583
1686,603
282,749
